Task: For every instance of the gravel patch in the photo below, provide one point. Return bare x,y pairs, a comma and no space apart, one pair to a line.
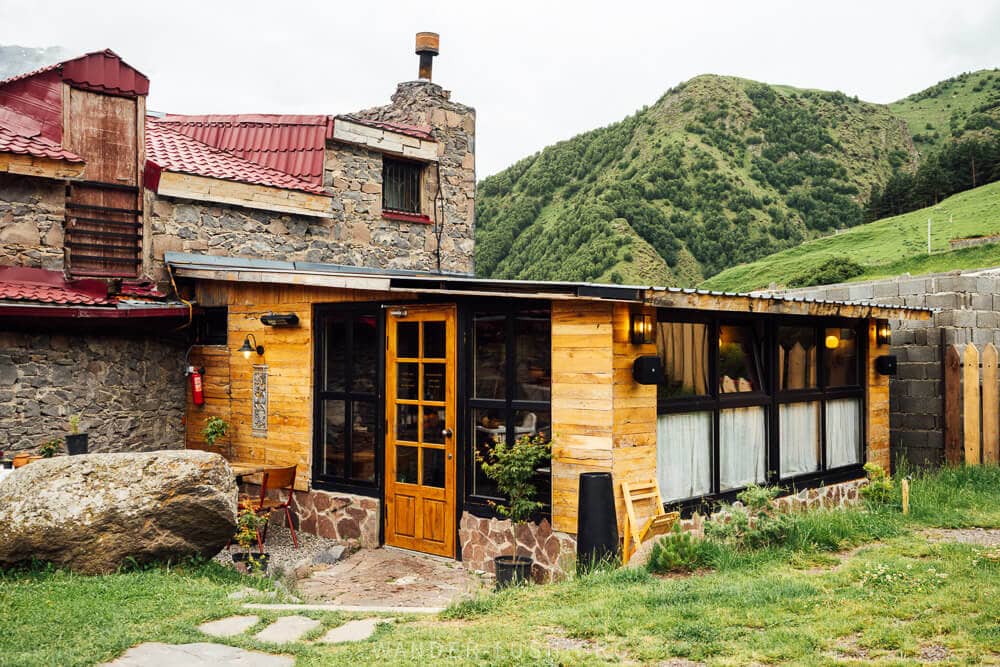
285,558
984,537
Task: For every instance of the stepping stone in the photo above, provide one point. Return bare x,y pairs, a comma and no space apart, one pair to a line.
202,654
229,627
353,631
287,629
329,556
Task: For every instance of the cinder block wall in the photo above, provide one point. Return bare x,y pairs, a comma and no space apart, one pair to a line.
968,304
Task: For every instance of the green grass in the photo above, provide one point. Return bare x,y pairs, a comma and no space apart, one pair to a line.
887,247
797,604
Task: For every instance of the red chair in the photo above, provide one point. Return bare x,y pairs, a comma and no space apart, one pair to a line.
278,480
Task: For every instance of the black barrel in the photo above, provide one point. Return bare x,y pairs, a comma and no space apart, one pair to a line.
597,525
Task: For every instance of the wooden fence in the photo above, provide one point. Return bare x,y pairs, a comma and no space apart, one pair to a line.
971,405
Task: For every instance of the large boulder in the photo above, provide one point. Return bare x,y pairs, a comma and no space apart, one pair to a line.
95,512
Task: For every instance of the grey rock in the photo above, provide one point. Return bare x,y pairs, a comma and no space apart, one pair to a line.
329,556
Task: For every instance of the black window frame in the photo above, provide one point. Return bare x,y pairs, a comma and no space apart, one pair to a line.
212,326
410,174
322,314
765,327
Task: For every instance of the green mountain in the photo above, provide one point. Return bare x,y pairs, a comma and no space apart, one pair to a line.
719,171
888,247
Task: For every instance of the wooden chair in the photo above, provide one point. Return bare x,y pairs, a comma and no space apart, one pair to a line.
278,480
660,522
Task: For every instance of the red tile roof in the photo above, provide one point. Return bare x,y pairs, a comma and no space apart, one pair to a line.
418,131
291,144
43,286
171,150
11,142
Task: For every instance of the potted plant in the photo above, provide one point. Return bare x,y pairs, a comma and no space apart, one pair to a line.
76,442
248,525
49,448
215,428
512,467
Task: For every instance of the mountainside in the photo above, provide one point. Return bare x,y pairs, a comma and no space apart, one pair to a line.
19,59
719,171
884,248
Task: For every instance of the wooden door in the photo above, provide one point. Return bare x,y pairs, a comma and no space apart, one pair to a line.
420,429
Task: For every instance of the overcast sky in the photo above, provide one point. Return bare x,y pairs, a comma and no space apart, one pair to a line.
536,71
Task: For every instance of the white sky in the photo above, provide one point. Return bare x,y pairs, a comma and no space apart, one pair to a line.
537,71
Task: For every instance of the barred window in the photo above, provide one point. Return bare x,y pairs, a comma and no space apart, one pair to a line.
400,185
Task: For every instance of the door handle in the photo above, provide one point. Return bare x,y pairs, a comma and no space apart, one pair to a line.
447,433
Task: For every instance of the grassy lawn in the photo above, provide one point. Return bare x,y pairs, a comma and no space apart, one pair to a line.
899,600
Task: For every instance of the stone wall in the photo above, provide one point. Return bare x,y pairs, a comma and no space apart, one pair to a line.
484,539
350,519
969,303
128,391
31,221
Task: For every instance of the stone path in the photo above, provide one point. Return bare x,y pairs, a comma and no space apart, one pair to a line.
384,578
202,654
229,627
287,629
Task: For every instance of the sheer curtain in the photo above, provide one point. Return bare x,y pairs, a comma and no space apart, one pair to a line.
742,447
683,454
843,432
798,428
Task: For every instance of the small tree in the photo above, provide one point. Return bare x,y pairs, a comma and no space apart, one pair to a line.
512,467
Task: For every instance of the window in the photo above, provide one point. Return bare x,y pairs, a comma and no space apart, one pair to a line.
510,371
739,359
347,423
401,185
683,347
212,326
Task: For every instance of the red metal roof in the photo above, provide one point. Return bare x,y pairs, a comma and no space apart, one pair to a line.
11,142
105,72
418,131
170,150
291,144
19,283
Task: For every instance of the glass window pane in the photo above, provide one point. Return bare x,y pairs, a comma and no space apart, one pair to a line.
335,348
434,340
489,355
408,339
742,447
683,350
364,356
798,431
434,425
434,382
797,358
684,454
843,432
532,422
841,357
532,354
406,380
488,426
737,360
334,443
433,467
363,441
407,464
406,422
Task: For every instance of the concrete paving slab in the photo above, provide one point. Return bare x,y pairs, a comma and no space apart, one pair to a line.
229,627
201,654
287,629
352,631
345,608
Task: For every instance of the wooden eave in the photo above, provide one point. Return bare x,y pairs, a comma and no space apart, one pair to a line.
777,305
221,191
28,165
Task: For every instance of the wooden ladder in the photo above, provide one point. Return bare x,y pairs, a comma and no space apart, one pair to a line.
660,523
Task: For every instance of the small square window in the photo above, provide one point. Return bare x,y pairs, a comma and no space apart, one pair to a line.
401,186
213,327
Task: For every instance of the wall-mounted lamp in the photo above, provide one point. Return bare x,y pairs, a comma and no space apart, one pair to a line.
398,312
248,348
832,342
640,328
883,334
280,319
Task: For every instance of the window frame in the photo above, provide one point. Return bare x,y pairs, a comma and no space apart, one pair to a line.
322,314
417,169
202,328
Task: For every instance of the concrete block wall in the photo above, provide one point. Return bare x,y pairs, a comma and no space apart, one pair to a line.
968,306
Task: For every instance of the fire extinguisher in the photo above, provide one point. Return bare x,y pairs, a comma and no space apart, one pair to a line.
197,388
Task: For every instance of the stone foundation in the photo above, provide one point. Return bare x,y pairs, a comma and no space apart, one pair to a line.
484,539
351,520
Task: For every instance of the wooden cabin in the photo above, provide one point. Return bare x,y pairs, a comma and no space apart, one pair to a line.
386,384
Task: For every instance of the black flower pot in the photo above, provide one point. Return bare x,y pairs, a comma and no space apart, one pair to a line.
259,562
512,570
76,444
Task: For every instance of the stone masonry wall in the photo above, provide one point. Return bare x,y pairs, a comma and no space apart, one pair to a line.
129,391
969,303
350,519
484,539
356,234
31,222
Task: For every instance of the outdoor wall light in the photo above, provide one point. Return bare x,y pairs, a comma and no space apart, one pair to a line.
832,342
641,328
280,319
248,348
883,334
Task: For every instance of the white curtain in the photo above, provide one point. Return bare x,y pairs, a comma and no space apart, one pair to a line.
683,454
798,430
843,432
742,447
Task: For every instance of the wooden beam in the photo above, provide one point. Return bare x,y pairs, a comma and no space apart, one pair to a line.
384,141
27,165
201,188
768,305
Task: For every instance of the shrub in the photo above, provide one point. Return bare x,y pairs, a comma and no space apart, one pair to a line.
677,551
833,270
215,428
878,491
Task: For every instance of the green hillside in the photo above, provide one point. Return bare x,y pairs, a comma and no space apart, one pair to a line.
720,170
951,109
884,248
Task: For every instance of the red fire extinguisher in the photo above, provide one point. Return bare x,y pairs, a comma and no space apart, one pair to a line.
197,389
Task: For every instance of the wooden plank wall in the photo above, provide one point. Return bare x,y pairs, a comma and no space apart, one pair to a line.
877,417
288,354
